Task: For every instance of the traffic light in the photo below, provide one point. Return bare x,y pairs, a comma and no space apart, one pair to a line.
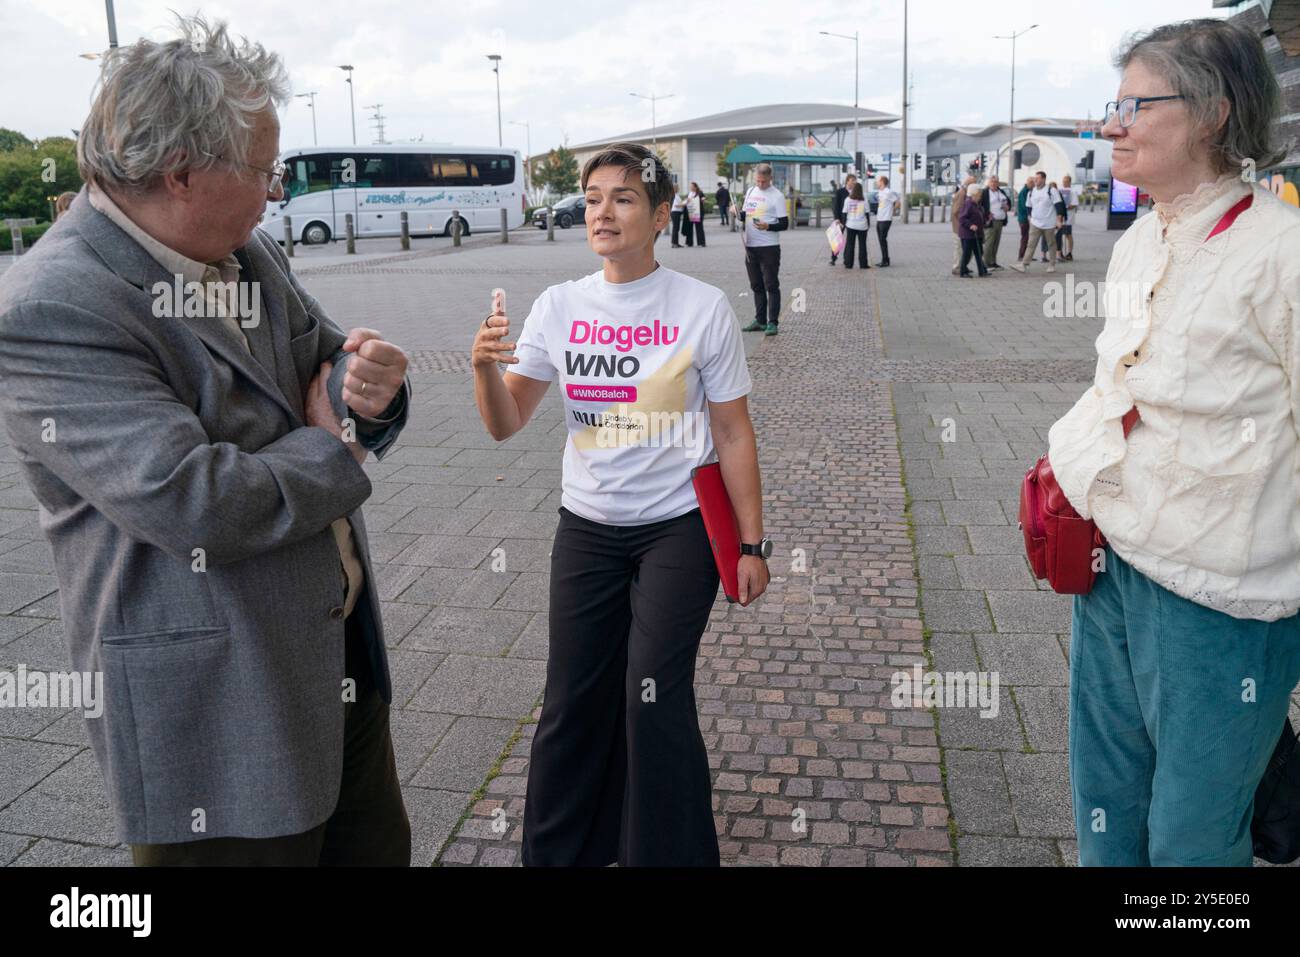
1017,161
871,169
1087,159
916,161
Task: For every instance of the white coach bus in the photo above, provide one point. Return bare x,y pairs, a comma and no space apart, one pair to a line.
376,184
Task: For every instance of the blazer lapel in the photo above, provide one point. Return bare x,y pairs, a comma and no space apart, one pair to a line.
269,339
129,260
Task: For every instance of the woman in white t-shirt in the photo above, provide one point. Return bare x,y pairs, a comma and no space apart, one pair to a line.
653,379
855,227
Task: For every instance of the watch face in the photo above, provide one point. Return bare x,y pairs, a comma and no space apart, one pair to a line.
765,548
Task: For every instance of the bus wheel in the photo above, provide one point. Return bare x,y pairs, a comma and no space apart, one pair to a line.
315,234
464,228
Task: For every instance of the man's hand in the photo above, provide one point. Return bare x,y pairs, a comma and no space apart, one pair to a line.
751,578
320,412
759,224
375,372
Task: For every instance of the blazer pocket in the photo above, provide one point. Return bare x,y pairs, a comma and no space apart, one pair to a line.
186,699
169,637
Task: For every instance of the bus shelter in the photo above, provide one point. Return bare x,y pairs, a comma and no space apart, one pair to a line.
792,166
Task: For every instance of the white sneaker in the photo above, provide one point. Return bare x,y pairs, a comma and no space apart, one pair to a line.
954,270
1051,269
1018,267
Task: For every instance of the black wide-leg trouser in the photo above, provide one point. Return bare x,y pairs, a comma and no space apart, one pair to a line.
618,770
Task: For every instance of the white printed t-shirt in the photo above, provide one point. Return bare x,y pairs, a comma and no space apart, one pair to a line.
637,363
762,205
885,200
855,214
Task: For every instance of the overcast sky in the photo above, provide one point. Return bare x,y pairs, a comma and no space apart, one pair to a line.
569,65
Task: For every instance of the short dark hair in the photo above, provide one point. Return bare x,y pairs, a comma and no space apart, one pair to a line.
636,160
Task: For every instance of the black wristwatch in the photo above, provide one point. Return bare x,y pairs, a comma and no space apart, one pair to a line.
763,549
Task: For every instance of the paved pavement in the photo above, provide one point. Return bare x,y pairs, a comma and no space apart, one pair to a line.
813,764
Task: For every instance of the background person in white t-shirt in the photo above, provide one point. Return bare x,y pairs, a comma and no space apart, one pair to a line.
855,227
1043,219
762,216
887,204
653,380
1065,235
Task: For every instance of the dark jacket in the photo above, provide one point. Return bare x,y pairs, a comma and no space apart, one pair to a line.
723,196
837,203
1022,204
970,222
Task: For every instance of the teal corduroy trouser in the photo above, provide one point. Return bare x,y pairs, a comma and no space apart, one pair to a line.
1174,712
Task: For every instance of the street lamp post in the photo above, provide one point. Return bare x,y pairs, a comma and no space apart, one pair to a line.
1011,140
352,102
654,125
907,155
311,103
496,68
112,24
854,38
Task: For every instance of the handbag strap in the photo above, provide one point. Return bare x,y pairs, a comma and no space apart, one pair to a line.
1230,216
1131,416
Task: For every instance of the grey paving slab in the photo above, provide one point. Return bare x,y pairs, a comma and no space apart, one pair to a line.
478,631
69,804
981,851
433,815
23,764
977,787
486,687
465,754
50,853
1039,612
1040,793
1023,659
1045,712
415,735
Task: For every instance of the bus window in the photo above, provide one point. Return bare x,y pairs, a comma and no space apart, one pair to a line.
492,170
377,171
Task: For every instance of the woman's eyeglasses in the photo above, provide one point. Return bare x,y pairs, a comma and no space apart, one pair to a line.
1127,109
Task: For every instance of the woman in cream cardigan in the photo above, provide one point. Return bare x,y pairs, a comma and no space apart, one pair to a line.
1184,654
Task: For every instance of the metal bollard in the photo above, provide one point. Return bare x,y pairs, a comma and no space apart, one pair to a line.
406,231
16,240
505,228
288,236
455,227
550,223
819,216
352,238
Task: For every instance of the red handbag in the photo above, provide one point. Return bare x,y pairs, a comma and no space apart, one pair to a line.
1058,541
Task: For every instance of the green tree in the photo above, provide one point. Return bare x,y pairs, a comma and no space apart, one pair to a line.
29,176
12,140
558,173
724,168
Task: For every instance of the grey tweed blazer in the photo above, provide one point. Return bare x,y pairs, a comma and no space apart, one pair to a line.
147,438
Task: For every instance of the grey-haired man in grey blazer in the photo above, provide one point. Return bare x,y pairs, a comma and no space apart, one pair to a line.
193,425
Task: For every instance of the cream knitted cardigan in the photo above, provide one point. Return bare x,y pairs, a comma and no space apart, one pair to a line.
1204,497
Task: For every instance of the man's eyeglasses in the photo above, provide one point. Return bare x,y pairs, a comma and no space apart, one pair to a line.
275,175
1127,109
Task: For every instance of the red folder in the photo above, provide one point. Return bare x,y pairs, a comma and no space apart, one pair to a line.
721,525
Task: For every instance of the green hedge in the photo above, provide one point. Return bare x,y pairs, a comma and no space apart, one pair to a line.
918,199
30,235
